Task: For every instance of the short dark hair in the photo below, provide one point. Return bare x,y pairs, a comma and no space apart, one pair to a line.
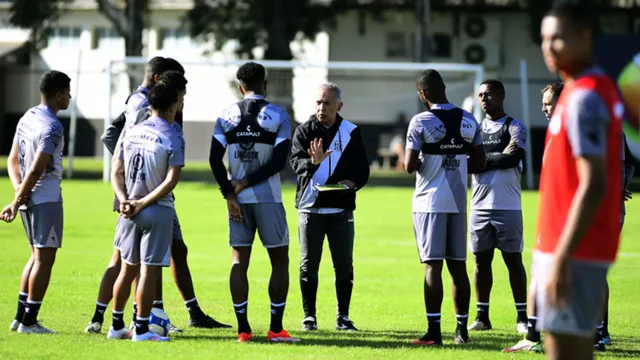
53,82
173,79
174,65
157,65
162,96
494,83
580,12
431,81
554,88
251,75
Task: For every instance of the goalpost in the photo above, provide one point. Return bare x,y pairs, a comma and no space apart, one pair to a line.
374,93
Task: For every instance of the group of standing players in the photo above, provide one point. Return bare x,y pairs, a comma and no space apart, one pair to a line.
577,237
582,193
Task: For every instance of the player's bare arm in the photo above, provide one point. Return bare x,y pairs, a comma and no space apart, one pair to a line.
591,191
24,191
412,160
118,182
13,167
219,170
167,186
477,160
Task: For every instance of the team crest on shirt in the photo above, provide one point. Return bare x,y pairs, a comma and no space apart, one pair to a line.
435,130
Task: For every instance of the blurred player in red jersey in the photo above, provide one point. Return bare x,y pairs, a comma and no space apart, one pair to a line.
580,185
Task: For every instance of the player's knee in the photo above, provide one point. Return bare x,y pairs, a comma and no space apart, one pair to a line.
179,250
45,256
239,266
344,272
513,261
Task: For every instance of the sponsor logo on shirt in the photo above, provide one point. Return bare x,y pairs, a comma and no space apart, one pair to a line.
452,145
249,133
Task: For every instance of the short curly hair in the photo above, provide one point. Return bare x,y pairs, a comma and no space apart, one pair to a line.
53,82
251,76
173,79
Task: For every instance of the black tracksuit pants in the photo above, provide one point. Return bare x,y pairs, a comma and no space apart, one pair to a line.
339,231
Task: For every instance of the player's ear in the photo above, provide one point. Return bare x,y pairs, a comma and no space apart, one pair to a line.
340,105
156,77
241,89
265,85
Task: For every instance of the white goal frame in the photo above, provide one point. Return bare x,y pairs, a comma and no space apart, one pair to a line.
476,70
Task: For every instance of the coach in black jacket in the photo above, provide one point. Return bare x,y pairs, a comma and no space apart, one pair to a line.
327,150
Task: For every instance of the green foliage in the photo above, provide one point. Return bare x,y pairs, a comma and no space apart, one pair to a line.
272,24
37,15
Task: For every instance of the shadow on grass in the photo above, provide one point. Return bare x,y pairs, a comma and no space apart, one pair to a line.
391,339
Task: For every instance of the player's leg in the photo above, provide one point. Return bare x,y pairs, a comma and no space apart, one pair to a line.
155,253
241,236
46,222
430,231
184,282
311,232
456,255
569,331
340,235
23,293
128,238
105,293
599,343
271,221
482,242
509,226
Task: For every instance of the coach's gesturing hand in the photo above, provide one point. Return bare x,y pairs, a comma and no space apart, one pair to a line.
317,153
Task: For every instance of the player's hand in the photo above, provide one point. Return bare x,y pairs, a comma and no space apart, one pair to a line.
235,211
349,183
558,287
130,208
628,195
317,154
239,185
511,148
10,212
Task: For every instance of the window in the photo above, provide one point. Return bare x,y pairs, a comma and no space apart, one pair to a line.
398,45
108,38
65,37
171,39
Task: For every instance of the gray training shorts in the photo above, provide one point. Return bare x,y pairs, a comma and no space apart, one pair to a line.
491,229
269,219
147,237
441,236
43,224
584,310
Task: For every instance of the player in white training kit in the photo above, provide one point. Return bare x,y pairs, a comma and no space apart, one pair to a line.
137,110
496,206
35,170
146,169
443,143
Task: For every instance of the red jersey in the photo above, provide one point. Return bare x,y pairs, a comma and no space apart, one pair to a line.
587,121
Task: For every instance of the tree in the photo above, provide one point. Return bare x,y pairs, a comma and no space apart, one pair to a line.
270,24
126,16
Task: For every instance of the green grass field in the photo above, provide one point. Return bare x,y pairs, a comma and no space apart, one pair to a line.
387,302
